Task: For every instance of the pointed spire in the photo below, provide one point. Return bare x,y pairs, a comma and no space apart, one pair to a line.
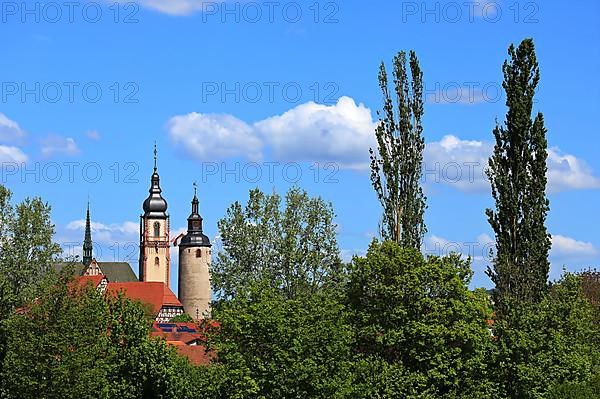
155,156
195,203
87,241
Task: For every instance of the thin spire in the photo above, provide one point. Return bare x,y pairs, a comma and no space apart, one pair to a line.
87,241
195,202
155,155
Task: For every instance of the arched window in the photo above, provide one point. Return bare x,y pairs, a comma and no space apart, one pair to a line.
198,253
156,229
156,262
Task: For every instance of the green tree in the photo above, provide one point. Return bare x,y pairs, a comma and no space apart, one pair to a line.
270,346
26,246
517,172
422,332
182,318
71,342
294,247
551,342
26,253
396,166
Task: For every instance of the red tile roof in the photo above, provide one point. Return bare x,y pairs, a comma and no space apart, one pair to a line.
198,355
95,280
187,338
156,294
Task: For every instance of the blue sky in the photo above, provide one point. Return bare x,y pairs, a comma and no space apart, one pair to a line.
287,90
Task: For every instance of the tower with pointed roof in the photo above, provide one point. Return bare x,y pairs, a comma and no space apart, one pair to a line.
194,262
87,240
154,259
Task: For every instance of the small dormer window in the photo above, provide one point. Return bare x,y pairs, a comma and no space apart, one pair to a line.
156,229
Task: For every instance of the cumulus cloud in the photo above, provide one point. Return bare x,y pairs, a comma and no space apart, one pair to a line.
9,154
567,172
209,137
456,162
339,133
343,133
107,233
112,242
57,145
314,132
566,246
462,164
10,131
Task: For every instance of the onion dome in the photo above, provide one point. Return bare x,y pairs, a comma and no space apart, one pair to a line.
155,205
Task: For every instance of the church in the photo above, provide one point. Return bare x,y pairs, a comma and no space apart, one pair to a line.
152,286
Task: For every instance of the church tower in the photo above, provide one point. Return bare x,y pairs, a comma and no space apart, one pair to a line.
154,234
194,261
87,239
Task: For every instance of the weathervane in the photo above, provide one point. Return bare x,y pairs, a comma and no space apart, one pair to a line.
195,186
155,154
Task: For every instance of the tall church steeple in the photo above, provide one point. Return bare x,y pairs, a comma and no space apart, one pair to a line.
87,241
154,233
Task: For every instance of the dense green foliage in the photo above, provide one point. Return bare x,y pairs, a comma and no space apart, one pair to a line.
72,342
294,246
26,248
284,348
417,317
517,172
553,341
396,164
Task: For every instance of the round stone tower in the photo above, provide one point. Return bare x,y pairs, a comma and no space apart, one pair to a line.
194,261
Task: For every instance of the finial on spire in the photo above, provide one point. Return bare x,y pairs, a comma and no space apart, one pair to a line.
195,187
155,155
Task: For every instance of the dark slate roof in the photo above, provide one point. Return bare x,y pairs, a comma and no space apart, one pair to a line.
115,272
78,267
118,272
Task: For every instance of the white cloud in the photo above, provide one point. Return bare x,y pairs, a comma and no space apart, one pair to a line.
569,247
56,145
9,154
179,7
10,131
462,164
456,162
343,133
108,233
339,133
210,137
567,172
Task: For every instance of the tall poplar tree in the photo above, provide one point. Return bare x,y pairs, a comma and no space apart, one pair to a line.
396,166
517,172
